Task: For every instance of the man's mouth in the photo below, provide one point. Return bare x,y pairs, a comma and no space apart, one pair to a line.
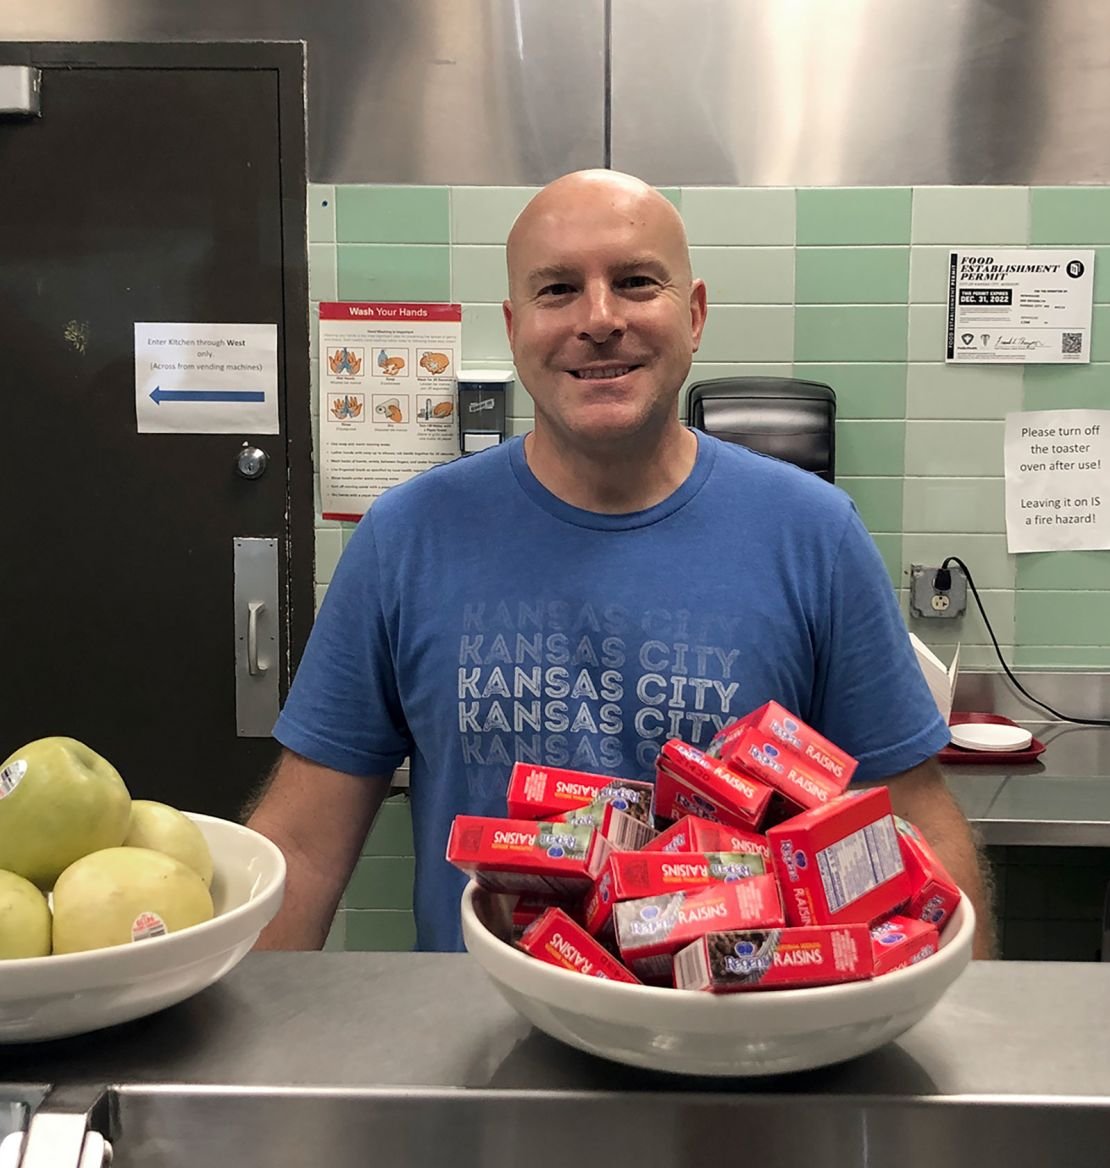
603,372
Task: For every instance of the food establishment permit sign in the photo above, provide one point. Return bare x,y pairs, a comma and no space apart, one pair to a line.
1020,306
387,398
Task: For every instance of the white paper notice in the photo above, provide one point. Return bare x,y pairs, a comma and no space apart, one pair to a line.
388,398
206,378
1020,306
1058,480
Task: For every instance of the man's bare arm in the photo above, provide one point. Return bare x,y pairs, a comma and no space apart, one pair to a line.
922,796
320,819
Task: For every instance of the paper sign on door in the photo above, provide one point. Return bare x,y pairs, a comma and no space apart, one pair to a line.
206,378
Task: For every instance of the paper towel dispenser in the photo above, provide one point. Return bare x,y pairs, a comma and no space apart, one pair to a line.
786,417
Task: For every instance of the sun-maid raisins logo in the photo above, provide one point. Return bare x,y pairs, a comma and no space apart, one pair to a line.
891,938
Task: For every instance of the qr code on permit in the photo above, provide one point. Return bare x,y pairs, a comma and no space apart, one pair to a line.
1073,342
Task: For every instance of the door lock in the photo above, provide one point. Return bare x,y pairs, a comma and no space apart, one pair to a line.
251,462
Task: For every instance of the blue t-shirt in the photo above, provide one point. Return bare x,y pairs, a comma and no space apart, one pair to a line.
476,619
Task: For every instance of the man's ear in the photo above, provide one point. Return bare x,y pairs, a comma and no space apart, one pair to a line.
507,312
698,309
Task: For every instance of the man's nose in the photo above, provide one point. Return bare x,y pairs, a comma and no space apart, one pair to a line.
602,314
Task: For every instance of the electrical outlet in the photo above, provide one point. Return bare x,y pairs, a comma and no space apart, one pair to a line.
926,600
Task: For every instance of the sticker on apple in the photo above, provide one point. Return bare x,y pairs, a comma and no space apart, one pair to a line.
147,925
11,776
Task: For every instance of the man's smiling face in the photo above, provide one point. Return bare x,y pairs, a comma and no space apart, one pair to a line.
603,316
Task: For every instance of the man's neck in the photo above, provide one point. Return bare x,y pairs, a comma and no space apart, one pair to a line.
617,479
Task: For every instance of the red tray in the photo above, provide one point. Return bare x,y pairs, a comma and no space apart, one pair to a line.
961,756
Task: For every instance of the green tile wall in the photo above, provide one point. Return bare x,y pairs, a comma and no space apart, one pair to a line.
845,286
377,906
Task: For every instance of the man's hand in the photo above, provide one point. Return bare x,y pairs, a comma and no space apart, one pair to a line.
922,796
320,819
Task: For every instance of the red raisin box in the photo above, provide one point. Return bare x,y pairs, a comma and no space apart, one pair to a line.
728,961
691,833
841,863
778,722
624,832
547,792
521,855
901,941
689,782
650,931
556,939
526,909
636,875
935,894
763,756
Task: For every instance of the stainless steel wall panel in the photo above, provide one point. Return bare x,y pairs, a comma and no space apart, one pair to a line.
861,92
495,92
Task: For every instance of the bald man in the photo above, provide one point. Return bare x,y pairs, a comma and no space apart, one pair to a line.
577,596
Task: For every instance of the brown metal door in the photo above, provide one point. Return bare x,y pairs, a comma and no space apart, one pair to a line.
160,183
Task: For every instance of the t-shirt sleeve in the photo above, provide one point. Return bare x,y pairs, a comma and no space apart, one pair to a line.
871,697
343,710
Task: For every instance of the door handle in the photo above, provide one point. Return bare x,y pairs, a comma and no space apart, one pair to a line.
257,608
254,666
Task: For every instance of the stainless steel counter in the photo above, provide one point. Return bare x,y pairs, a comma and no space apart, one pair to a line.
372,1020
317,1058
1061,799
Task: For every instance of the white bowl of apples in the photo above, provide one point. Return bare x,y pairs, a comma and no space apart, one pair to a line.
111,909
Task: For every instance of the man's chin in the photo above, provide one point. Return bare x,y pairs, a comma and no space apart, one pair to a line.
614,428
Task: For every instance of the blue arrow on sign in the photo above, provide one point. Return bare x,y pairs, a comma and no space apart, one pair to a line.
159,395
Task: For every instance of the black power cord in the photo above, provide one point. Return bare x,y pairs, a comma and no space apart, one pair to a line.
942,582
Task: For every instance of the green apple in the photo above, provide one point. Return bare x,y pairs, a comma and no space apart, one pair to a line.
120,895
24,918
165,829
59,800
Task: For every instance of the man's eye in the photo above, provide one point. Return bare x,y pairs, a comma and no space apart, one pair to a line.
637,282
556,290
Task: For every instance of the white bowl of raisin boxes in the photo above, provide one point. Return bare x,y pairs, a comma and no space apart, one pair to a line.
696,1033
52,997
